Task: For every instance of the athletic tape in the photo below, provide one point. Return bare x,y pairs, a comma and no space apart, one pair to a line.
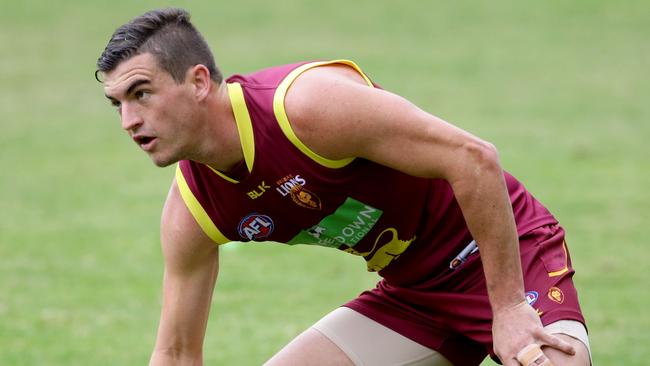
532,355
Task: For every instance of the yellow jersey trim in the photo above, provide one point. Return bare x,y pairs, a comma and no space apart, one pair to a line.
244,124
566,266
283,119
223,175
244,127
197,211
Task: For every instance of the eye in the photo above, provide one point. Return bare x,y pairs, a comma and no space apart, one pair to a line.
141,94
115,103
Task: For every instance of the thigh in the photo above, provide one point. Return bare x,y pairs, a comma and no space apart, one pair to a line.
574,333
310,348
366,342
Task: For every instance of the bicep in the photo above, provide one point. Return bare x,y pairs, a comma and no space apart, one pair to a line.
185,246
394,132
340,118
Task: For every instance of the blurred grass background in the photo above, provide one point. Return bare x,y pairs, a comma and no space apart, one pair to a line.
560,87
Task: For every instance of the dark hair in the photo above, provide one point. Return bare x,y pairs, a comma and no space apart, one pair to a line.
168,35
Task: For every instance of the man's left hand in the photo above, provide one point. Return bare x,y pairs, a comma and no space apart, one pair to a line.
516,327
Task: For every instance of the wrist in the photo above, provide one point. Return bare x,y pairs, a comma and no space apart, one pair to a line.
506,307
164,357
506,292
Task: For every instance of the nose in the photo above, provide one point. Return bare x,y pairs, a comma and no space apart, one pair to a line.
130,117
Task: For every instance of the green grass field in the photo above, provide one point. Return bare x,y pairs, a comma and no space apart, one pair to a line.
561,87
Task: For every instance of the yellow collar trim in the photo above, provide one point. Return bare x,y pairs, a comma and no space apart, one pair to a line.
244,127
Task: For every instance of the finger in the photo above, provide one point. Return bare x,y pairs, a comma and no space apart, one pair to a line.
510,362
552,341
532,355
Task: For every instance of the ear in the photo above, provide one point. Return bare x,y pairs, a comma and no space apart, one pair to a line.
200,81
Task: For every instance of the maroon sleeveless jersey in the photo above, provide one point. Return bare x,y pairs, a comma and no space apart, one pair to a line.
406,228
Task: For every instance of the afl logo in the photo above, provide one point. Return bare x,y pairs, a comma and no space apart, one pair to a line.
255,226
531,297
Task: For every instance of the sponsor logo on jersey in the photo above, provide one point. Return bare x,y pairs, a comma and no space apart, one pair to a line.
350,223
531,297
556,295
259,191
294,186
387,251
255,226
347,226
316,231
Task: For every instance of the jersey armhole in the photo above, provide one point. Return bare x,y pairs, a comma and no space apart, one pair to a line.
197,211
283,119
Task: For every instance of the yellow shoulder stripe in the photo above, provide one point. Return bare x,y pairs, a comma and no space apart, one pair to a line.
283,120
197,210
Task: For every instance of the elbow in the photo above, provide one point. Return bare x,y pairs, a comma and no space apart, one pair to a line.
481,158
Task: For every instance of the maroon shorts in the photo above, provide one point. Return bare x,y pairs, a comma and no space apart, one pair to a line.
451,312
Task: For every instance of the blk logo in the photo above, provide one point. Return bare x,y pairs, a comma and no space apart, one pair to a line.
259,191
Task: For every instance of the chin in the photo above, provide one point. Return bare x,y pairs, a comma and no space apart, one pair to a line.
162,163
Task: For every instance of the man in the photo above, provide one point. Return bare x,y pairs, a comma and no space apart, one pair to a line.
315,153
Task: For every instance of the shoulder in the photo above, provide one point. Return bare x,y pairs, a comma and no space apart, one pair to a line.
316,83
320,103
179,230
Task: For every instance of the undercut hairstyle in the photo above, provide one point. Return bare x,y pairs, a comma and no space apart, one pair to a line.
168,35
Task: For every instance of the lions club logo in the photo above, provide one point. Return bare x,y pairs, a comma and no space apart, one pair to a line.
556,295
255,226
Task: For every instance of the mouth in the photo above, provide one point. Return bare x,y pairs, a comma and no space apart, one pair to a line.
146,143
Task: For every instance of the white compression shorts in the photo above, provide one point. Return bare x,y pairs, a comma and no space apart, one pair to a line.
368,343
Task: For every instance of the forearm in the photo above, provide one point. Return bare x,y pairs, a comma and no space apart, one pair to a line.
483,197
184,316
191,268
175,347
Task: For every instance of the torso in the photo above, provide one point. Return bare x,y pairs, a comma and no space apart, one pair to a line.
288,193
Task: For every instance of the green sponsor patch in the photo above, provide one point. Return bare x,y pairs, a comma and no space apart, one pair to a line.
347,225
